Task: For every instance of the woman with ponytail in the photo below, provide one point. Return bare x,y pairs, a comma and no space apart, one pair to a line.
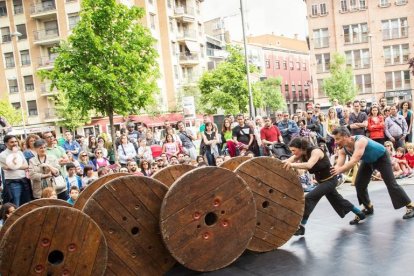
311,158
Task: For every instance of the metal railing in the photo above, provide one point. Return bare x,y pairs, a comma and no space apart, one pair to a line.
46,34
184,10
43,7
188,57
186,34
50,113
46,61
45,88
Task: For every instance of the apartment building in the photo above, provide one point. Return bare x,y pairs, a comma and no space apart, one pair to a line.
31,28
375,36
287,58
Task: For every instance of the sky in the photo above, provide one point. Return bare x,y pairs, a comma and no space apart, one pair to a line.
287,17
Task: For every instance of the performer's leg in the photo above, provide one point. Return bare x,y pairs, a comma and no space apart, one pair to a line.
362,180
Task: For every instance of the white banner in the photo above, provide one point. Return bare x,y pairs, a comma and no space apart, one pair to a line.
189,107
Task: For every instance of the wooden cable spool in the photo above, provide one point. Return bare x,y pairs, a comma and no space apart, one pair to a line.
279,200
30,206
127,210
234,162
168,175
95,185
208,217
53,240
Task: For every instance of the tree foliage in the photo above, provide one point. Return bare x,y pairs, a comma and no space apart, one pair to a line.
69,115
340,84
226,86
108,64
269,95
12,115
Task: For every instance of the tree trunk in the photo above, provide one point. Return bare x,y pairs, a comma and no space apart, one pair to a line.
111,126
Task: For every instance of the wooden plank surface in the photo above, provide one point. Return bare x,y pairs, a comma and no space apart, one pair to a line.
127,209
208,217
53,240
30,206
170,174
91,188
279,200
234,162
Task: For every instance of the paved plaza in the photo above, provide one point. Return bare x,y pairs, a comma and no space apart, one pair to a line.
382,245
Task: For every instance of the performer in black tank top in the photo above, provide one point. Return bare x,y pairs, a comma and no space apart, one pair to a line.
317,162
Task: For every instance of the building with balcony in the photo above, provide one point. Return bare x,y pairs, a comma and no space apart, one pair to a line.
376,38
29,30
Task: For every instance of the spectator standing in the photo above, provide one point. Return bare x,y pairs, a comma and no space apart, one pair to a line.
30,150
376,125
12,161
144,151
92,146
344,121
407,113
364,108
270,134
187,137
71,180
332,122
396,128
88,176
358,120
71,145
338,108
126,151
210,142
382,105
102,146
56,151
133,135
226,133
242,137
287,127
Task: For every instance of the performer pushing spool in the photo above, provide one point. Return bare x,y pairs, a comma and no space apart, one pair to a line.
373,156
313,159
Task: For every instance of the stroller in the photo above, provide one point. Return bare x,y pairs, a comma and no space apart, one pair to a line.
280,151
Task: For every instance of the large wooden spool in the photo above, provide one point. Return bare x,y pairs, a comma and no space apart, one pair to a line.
53,240
234,162
127,209
93,187
30,206
279,200
208,217
168,175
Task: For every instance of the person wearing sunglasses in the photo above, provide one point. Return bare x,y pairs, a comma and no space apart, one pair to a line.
100,161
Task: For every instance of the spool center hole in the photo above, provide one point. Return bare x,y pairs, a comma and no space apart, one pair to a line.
265,204
134,230
210,219
55,257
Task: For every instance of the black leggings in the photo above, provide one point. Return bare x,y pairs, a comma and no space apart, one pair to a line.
328,189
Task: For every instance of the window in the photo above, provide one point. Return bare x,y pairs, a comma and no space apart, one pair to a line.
5,35
394,28
284,65
9,59
151,2
267,64
362,4
353,4
321,38
384,3
314,10
13,86
73,19
321,90
152,21
174,48
323,9
18,6
25,57
171,22
344,5
300,91
356,33
169,4
277,64
363,83
294,91
28,83
322,63
304,66
297,65
397,80
358,58
176,71
401,2
22,29
32,108
3,8
291,66
287,90
396,54
16,105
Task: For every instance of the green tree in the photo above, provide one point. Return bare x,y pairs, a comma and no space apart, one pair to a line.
69,115
270,94
12,115
108,64
340,85
226,86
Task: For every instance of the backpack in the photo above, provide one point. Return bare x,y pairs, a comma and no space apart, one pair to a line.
281,151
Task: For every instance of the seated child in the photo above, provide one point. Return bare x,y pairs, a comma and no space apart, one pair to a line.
400,159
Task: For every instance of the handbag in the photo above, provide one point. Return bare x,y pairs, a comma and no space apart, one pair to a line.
59,182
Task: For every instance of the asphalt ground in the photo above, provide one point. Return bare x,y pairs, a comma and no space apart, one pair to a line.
381,245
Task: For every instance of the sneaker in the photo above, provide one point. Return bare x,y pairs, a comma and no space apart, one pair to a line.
358,217
368,210
409,214
300,231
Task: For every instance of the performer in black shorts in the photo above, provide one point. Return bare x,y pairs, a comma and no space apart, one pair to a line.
317,162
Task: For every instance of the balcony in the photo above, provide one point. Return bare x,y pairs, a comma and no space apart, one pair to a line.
216,53
190,80
189,59
50,115
46,37
184,14
45,89
43,10
46,63
187,35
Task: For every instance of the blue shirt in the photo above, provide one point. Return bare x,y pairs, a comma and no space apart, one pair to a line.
73,145
373,151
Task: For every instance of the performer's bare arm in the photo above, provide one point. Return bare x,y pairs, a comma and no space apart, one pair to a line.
359,150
